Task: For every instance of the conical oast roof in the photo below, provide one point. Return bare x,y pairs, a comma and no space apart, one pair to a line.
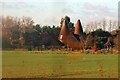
64,32
78,28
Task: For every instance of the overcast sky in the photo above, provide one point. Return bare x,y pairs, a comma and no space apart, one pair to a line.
50,12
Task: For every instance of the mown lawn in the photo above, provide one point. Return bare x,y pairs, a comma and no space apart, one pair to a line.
64,64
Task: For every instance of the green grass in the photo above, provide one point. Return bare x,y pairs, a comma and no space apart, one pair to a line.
36,64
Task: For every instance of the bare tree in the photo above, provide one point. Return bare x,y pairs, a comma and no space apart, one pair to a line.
95,25
99,24
110,25
87,30
104,24
115,25
91,27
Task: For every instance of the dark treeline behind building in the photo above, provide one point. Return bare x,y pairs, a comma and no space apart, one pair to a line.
21,33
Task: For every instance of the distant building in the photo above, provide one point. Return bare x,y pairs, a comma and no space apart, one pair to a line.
72,40
78,40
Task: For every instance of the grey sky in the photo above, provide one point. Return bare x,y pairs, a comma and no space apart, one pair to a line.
50,12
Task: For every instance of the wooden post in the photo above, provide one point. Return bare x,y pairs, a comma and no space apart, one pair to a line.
94,48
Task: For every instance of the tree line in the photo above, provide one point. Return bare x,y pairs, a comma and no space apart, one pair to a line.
23,33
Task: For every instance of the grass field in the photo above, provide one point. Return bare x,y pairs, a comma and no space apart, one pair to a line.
64,64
